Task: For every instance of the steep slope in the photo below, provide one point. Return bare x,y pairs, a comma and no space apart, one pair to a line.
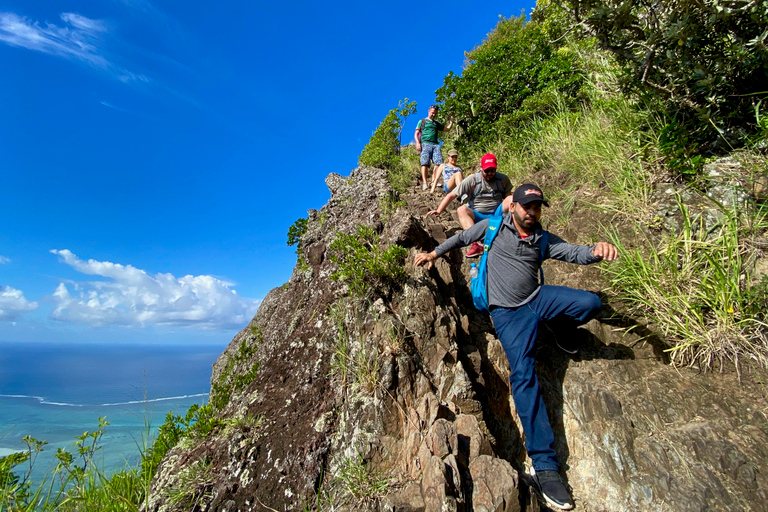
399,399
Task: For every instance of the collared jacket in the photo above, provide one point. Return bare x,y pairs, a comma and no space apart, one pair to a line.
513,262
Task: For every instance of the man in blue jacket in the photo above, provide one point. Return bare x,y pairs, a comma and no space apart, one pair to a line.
518,302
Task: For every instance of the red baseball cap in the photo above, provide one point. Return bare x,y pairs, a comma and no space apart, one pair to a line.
488,161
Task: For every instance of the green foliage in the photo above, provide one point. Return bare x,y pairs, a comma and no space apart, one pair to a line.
193,486
81,485
513,77
15,491
362,263
296,231
197,423
231,381
697,290
383,150
75,470
705,62
355,359
600,146
359,483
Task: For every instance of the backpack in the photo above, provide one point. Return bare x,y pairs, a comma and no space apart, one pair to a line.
479,285
471,194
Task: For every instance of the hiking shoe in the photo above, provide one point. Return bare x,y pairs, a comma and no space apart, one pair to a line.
475,250
553,490
569,345
424,186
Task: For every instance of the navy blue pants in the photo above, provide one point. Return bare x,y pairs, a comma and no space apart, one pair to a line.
517,329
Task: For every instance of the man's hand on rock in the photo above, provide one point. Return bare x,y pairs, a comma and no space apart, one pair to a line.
605,251
433,212
425,257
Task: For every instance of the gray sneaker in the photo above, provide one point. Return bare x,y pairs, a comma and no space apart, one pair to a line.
552,489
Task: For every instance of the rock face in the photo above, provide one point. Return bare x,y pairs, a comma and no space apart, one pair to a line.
398,400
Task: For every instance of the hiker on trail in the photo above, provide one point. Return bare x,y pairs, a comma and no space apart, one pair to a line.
452,173
485,190
427,144
518,302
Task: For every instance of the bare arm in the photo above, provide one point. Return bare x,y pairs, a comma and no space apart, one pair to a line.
448,124
417,138
443,204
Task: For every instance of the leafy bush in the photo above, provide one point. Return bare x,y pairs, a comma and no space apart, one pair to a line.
508,80
81,485
197,423
705,62
296,231
383,150
362,263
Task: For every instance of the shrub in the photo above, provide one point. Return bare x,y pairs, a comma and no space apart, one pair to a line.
705,62
507,80
383,149
363,265
296,231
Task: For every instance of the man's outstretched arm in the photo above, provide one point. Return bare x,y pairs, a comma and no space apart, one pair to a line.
605,251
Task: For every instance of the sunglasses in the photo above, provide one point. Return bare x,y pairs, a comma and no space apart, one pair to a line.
489,170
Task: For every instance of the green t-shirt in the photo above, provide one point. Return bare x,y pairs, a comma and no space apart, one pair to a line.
430,130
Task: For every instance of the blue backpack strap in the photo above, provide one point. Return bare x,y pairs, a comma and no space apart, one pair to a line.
543,247
479,285
491,232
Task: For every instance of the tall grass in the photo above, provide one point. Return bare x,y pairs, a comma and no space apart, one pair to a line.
697,288
603,147
76,484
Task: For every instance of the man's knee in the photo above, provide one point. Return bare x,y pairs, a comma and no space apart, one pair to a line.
590,305
465,214
506,205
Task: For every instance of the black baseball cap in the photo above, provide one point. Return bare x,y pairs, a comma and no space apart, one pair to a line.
528,193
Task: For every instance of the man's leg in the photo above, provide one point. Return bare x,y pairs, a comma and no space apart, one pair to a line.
466,216
424,177
517,329
578,306
426,155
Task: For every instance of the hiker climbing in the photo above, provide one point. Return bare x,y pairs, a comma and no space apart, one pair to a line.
427,143
485,191
517,302
451,173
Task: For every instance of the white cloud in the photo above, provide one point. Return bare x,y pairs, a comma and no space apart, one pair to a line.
132,297
4,260
12,301
80,39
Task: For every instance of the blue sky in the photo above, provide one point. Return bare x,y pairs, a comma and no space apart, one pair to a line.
153,154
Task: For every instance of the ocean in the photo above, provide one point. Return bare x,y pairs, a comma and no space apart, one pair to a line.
55,392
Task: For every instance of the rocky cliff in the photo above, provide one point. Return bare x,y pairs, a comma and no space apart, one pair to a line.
397,399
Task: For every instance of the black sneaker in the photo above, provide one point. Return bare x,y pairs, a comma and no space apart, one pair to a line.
553,490
569,346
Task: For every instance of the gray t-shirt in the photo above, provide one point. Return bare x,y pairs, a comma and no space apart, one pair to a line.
485,197
513,261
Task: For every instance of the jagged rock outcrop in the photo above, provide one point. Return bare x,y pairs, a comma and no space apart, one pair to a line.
399,400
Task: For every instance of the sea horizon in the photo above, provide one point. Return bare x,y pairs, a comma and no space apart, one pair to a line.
56,392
